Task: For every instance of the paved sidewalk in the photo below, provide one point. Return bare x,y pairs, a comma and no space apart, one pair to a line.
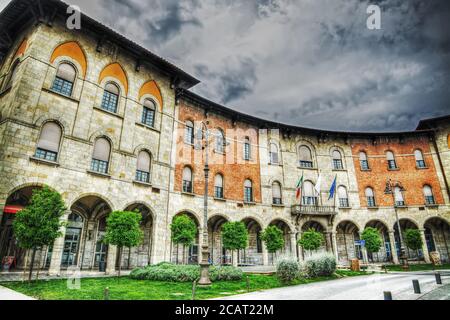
8,294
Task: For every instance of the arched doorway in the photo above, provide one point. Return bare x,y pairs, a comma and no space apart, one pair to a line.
437,236
187,255
385,253
406,224
139,256
252,255
217,254
318,227
83,241
286,250
9,249
347,237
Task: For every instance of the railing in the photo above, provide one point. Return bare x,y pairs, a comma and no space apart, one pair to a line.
313,210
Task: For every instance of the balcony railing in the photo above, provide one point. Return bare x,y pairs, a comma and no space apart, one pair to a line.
313,210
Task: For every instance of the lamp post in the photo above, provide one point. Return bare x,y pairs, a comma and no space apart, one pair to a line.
204,263
390,189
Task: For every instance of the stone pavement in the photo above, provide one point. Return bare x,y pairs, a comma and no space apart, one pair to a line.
8,294
353,288
441,293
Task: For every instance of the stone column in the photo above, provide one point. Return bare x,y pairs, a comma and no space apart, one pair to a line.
426,254
265,255
393,248
111,260
328,241
300,249
335,247
235,258
364,251
293,245
58,248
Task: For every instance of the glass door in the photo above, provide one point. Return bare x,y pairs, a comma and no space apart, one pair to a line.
70,251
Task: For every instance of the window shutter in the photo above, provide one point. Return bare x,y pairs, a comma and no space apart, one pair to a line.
143,163
66,72
112,88
369,192
305,153
398,194
418,155
342,192
102,149
50,137
218,181
187,174
276,190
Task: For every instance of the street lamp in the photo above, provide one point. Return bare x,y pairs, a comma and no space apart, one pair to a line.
390,189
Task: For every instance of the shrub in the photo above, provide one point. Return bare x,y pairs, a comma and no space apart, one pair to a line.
413,239
166,271
273,238
287,270
318,265
311,240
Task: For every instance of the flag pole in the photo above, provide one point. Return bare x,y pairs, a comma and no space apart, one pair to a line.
335,191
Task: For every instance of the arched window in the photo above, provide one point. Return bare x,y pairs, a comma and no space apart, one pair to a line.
248,191
420,162
428,194
399,201
187,180
273,153
64,80
364,163
218,186
343,197
110,97
189,132
276,193
308,198
220,141
370,197
337,160
392,165
143,167
11,75
305,157
247,149
100,157
48,143
148,113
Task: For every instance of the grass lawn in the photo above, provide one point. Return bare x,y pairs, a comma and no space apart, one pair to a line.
129,289
418,267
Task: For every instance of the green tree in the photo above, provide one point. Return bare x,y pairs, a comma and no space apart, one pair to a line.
311,240
123,230
372,238
413,240
273,239
184,230
234,236
39,223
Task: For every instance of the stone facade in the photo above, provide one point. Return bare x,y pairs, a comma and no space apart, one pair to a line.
31,102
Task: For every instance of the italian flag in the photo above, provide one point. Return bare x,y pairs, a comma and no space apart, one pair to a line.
299,187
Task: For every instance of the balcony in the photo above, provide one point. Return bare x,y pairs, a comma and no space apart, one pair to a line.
313,210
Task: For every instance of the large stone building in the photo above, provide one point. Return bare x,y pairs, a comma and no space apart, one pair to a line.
111,126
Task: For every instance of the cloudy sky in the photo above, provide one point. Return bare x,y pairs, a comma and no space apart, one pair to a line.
311,63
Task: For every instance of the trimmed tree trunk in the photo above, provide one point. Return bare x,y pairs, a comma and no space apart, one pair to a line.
32,264
120,260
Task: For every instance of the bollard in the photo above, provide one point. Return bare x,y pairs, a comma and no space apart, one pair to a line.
416,286
106,293
194,286
438,278
387,295
248,284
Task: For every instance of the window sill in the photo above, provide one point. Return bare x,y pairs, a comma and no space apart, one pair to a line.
250,203
43,161
422,168
339,170
366,170
307,168
278,205
373,208
345,208
275,164
146,126
220,199
108,112
222,153
401,207
432,206
99,174
189,194
189,144
393,169
60,95
142,183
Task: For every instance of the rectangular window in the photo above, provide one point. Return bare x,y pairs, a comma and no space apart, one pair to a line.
189,135
392,165
109,102
273,158
343,203
370,201
420,164
142,176
276,200
218,192
309,201
429,200
187,186
306,164
99,166
62,86
248,194
148,116
247,151
364,165
45,154
337,164
400,203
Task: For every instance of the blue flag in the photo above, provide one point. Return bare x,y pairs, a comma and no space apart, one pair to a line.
333,188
